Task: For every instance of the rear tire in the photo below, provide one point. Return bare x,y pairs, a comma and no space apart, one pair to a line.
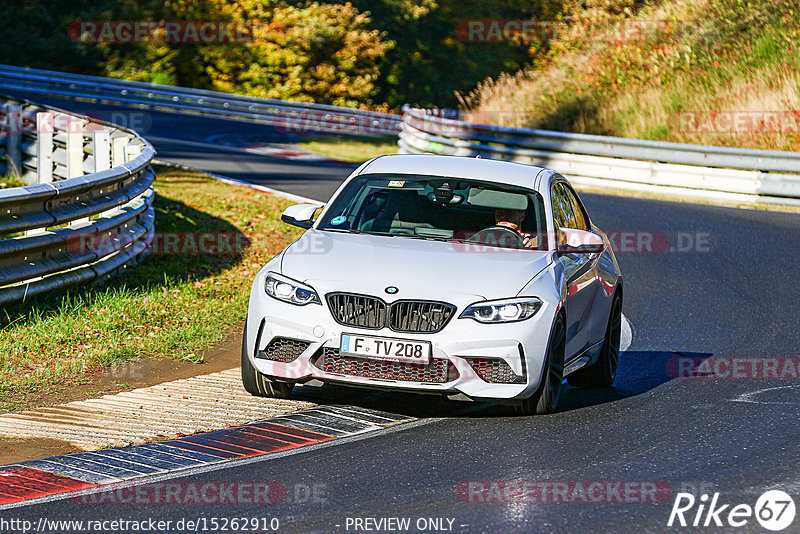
545,400
601,374
258,384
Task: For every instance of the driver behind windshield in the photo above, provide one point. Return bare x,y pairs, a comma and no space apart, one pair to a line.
512,219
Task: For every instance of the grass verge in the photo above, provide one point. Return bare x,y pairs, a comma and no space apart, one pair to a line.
10,181
352,148
176,304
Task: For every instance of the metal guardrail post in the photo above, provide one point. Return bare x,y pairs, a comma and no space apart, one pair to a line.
44,147
74,147
75,131
132,151
118,151
14,140
101,150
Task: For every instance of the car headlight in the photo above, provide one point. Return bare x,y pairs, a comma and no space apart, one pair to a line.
291,291
503,311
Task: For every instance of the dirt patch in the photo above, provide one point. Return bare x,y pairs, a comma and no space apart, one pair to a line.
133,374
225,355
13,450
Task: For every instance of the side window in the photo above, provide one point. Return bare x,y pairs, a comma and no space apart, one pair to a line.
562,210
581,223
562,207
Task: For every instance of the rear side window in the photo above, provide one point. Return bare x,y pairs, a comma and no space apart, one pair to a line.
562,207
567,210
577,208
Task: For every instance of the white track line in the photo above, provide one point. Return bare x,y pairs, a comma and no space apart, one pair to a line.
750,396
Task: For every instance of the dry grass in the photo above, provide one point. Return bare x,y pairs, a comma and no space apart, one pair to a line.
351,148
702,58
10,181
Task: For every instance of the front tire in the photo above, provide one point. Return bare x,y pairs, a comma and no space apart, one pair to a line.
545,400
601,374
258,384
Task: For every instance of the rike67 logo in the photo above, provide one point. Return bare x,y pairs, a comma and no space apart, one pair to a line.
774,510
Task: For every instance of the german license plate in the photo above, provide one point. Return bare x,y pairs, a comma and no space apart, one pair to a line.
385,349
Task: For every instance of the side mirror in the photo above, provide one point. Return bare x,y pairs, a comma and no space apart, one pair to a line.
572,241
301,215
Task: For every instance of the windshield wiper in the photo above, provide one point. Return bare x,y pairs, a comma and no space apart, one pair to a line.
427,237
358,232
341,231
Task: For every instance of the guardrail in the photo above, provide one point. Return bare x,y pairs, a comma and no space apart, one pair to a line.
691,170
292,116
87,211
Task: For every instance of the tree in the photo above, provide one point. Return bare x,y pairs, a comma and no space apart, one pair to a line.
430,61
324,53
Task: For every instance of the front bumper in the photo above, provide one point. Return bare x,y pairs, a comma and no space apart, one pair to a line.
521,345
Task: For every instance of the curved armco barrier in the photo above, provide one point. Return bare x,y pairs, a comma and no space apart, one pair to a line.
293,116
689,170
88,209
743,175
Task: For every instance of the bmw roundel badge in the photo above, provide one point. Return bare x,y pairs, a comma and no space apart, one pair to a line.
391,290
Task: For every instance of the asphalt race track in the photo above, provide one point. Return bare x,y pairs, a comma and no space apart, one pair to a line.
731,293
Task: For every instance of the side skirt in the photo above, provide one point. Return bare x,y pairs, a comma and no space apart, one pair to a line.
583,359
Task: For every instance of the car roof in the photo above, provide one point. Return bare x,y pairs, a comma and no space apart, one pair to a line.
503,172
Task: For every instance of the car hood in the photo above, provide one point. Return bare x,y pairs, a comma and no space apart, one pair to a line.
333,261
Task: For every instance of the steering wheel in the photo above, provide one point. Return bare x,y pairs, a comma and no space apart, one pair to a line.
498,236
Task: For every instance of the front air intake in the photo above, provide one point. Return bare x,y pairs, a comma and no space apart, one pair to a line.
495,371
283,349
438,371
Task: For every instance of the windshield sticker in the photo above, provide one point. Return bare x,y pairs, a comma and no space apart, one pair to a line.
338,220
397,183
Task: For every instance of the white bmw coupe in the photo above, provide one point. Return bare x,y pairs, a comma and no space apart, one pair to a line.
471,278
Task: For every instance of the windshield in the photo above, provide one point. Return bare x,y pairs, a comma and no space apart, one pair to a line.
440,208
